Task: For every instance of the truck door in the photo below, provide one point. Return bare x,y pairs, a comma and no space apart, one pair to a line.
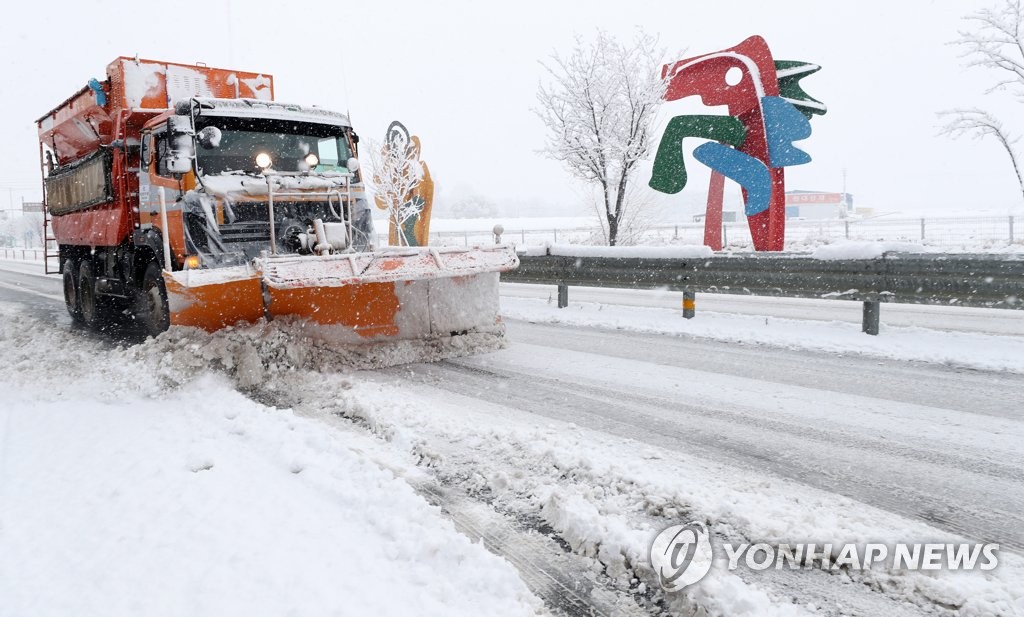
153,176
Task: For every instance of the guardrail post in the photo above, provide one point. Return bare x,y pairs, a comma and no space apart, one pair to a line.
523,234
847,224
1011,229
555,232
872,313
563,295
725,236
689,303
676,237
922,228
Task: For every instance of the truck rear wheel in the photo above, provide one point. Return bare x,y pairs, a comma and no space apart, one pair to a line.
152,306
94,311
71,297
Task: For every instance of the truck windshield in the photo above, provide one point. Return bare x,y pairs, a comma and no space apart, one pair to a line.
285,145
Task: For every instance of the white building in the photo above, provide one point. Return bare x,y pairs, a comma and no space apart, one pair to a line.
818,205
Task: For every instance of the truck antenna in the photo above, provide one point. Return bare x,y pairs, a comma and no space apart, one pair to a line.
344,87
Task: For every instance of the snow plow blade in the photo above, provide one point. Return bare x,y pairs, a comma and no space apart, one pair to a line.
409,293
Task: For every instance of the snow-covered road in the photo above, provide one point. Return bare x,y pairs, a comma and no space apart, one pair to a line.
936,444
596,438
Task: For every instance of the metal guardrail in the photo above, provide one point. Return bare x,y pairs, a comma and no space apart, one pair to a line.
22,254
948,279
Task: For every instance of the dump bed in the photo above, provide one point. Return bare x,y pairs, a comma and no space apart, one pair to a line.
136,90
90,190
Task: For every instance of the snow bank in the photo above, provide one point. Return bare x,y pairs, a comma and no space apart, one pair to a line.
867,250
989,352
122,493
581,250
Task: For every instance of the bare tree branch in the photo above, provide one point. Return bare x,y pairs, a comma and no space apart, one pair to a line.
978,124
996,42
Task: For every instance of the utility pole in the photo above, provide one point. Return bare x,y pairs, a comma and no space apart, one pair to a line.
845,201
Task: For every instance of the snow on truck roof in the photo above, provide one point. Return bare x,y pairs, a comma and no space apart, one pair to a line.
257,108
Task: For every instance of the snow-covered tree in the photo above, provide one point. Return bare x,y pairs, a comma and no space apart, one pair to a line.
396,172
473,205
21,229
597,106
995,42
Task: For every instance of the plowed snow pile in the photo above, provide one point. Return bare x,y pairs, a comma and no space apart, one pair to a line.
248,354
138,482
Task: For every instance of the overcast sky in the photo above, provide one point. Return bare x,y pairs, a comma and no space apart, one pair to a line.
464,76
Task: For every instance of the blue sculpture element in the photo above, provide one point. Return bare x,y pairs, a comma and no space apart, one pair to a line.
741,168
783,125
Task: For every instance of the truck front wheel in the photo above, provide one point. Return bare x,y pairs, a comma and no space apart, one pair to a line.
153,303
71,298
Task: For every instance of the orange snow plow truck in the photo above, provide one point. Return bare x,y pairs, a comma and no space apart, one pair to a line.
186,195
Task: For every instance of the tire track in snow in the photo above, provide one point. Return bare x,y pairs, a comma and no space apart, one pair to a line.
548,568
977,513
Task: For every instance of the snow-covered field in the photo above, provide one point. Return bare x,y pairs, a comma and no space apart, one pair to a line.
981,234
248,472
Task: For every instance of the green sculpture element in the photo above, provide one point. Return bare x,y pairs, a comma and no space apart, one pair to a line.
789,73
415,204
669,172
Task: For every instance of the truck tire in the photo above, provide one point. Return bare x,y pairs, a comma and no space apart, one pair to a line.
71,297
152,306
94,310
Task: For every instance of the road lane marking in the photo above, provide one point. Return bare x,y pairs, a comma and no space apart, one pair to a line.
31,291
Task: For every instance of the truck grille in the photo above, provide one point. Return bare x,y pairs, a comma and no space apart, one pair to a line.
246,231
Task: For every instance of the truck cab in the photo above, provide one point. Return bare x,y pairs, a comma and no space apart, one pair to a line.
240,177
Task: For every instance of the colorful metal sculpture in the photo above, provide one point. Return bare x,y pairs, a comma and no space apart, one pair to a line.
412,216
768,111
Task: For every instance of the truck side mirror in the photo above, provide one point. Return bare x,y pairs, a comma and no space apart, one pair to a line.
147,151
181,142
